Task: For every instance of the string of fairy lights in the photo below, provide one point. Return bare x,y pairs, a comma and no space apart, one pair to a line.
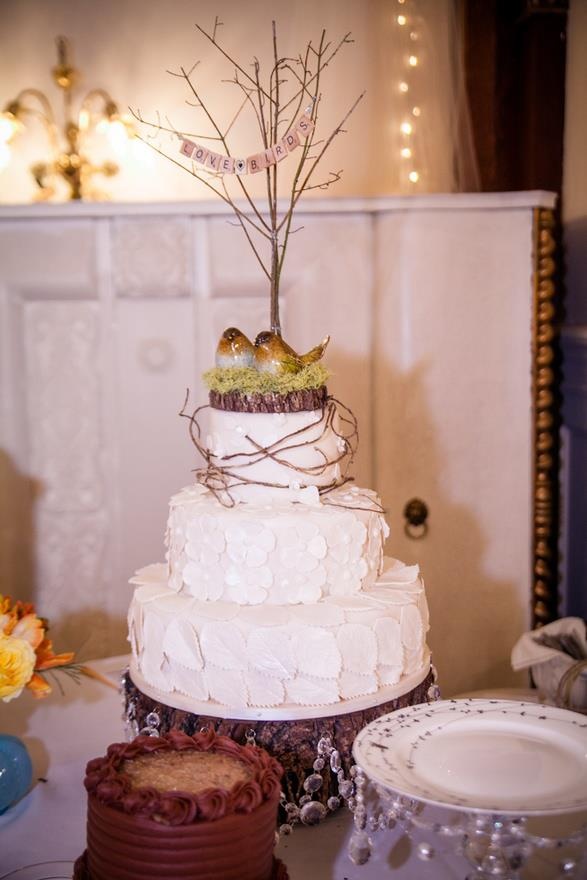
411,112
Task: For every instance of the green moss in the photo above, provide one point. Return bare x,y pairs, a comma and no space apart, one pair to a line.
249,381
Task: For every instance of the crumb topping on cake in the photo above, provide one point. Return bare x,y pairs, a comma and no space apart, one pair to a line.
189,771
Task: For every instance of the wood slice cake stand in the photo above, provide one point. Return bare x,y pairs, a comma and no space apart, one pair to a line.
291,734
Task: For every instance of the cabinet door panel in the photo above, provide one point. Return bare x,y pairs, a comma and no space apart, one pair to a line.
453,424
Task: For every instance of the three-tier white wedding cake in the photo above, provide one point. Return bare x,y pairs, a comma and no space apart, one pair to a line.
276,594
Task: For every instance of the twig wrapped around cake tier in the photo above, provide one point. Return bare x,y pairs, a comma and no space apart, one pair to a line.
292,743
304,400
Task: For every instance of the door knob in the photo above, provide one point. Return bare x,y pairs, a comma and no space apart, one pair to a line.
416,515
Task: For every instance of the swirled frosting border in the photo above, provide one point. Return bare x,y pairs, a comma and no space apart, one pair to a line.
112,787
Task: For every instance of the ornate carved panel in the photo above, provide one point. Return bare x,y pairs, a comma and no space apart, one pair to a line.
63,394
152,257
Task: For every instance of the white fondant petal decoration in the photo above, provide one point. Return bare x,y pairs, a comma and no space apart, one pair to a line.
236,552
270,653
306,691
319,614
423,608
150,592
306,531
390,650
264,690
354,685
180,643
223,644
187,681
317,547
316,652
150,666
232,576
255,556
413,660
226,686
264,615
389,675
306,563
411,627
396,572
150,574
214,611
358,647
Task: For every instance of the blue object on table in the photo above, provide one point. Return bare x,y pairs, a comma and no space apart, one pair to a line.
16,771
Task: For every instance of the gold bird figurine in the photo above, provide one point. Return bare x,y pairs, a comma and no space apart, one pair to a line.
235,350
274,355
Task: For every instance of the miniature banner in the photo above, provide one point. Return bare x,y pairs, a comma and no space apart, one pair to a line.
252,164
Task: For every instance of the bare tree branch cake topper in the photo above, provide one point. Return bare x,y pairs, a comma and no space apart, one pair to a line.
286,110
267,375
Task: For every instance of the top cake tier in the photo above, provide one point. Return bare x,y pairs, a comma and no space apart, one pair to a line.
257,457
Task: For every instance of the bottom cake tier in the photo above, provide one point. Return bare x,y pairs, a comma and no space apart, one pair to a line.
307,747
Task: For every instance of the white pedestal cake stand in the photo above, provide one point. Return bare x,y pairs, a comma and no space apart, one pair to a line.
492,764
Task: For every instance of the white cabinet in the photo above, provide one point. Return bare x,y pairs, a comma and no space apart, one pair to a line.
110,312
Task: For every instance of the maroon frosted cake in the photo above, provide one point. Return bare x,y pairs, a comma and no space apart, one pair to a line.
182,807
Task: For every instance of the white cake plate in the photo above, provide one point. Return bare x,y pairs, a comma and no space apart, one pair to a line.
282,713
482,756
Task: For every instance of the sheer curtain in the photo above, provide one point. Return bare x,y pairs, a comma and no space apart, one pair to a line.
425,121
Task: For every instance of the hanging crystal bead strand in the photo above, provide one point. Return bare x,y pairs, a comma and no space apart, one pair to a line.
151,728
129,710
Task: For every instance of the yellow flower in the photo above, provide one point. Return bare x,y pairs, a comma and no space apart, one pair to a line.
17,664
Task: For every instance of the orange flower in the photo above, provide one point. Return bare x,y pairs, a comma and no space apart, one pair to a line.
46,659
39,687
25,650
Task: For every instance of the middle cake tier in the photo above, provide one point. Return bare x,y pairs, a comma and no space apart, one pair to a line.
281,553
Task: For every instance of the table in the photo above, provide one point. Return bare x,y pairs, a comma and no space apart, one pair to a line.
66,730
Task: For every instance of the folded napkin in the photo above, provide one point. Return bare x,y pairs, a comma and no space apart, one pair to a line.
568,633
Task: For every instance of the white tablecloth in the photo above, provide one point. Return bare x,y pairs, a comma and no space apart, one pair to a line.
63,732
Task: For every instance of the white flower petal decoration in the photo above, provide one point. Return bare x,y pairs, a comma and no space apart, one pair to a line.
264,615
150,574
306,691
270,653
263,690
358,647
226,686
389,675
390,650
413,660
411,627
317,547
223,644
151,669
180,643
396,572
214,611
316,652
320,614
354,685
255,556
306,531
187,681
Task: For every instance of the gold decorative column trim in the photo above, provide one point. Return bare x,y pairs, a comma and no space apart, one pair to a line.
546,421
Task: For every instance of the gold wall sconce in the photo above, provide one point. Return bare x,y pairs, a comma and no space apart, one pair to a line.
68,161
